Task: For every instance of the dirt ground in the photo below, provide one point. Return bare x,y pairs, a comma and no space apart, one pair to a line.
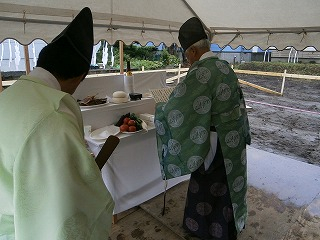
289,124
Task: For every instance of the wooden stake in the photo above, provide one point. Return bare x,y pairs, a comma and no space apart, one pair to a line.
114,218
259,87
27,60
283,80
121,57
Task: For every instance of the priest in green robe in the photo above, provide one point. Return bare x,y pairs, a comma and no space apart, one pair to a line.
50,185
203,130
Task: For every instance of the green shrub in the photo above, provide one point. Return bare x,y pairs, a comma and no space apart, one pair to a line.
293,68
148,65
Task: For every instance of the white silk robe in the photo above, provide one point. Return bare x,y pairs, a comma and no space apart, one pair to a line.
50,185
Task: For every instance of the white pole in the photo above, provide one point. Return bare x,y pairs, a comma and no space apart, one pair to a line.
283,80
1,58
295,56
0,82
289,55
179,71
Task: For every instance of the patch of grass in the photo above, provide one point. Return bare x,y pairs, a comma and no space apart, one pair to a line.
293,68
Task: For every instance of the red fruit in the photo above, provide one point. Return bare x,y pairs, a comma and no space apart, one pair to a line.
124,128
132,123
126,120
132,128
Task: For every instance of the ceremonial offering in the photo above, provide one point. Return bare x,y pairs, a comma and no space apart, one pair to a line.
128,81
119,97
135,96
90,101
131,123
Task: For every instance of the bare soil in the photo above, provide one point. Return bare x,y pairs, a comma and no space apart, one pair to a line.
286,125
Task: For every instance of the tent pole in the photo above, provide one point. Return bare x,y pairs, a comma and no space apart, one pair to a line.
0,82
26,57
121,57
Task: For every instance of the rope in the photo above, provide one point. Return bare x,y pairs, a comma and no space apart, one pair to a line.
279,106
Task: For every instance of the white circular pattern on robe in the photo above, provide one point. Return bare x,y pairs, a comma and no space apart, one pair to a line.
75,227
215,230
235,208
192,224
174,147
227,213
202,104
194,162
203,208
222,67
174,170
180,90
175,118
244,157
238,184
160,128
228,165
164,150
198,135
223,92
193,186
241,222
232,139
203,74
218,189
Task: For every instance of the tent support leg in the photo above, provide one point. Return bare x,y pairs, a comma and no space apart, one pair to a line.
27,59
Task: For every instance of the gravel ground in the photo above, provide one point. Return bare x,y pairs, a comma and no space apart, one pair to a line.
289,124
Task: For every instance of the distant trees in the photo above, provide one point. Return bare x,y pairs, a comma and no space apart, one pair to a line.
150,57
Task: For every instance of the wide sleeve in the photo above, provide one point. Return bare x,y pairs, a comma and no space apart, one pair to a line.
59,192
183,125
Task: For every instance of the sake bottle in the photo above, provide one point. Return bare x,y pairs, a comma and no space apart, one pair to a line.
128,80
128,71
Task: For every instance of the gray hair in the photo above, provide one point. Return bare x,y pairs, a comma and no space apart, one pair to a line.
202,44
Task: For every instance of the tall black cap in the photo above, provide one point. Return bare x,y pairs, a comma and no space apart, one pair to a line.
191,32
79,34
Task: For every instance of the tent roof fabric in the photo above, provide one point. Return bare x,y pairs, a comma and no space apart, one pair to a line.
263,23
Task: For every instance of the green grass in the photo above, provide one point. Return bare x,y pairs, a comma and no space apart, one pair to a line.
293,68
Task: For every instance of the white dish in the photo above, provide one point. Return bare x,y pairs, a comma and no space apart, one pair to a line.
132,132
105,132
93,106
125,100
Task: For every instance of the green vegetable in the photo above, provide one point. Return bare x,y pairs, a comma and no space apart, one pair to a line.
133,117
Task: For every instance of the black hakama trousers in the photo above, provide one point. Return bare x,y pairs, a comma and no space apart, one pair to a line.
208,211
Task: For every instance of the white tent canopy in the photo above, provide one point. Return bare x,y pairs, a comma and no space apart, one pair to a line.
264,23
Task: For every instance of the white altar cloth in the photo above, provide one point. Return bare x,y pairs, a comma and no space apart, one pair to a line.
132,173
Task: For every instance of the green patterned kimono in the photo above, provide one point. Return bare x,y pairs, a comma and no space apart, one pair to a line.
50,185
210,95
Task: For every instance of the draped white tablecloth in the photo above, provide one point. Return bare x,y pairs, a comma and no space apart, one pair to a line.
132,173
